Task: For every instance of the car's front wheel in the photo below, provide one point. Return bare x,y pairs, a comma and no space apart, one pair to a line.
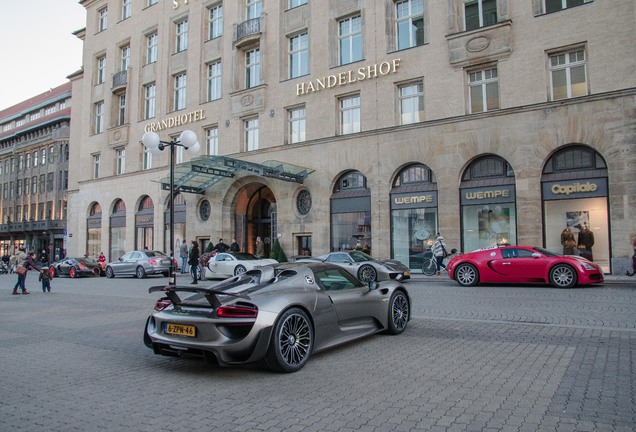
140,272
110,273
398,313
291,343
239,269
367,273
466,275
563,276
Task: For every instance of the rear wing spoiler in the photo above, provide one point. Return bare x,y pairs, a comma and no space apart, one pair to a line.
246,280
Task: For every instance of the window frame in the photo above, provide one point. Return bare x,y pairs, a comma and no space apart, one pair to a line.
418,95
150,100
215,21
252,68
214,79
481,13
351,39
346,126
126,9
98,112
482,83
101,70
296,124
409,18
567,66
181,35
212,140
152,47
251,133
102,19
180,92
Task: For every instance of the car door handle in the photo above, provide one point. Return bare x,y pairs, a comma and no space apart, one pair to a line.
506,263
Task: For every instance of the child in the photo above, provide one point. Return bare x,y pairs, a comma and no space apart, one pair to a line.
46,280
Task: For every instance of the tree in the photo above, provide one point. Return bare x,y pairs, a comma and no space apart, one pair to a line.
278,253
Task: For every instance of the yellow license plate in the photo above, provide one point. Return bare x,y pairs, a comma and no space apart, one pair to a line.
181,330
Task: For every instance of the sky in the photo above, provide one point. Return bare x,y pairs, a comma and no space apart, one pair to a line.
38,49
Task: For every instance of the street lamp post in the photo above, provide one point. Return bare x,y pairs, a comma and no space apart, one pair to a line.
153,143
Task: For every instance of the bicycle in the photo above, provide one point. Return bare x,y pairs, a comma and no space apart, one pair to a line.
429,265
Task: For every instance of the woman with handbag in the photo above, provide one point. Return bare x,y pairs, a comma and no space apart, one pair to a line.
439,252
20,271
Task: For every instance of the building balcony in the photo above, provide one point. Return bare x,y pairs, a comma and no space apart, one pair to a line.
248,31
120,80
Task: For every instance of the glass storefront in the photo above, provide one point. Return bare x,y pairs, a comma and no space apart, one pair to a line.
117,231
94,231
575,209
145,224
489,212
351,214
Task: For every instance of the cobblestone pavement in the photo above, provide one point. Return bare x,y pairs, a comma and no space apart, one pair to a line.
472,359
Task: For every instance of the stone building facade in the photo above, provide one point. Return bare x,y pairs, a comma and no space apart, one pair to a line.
325,124
34,156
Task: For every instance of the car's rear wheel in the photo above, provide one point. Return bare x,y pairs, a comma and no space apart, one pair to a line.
429,267
52,272
466,275
140,272
110,273
291,343
398,313
72,272
367,273
563,276
239,269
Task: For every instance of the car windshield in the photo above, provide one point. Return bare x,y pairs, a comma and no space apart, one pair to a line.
243,256
358,256
155,254
546,252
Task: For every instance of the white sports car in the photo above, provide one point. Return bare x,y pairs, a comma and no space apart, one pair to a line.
229,264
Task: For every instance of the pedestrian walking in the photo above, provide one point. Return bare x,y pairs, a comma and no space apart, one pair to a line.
439,252
194,262
260,248
45,278
28,264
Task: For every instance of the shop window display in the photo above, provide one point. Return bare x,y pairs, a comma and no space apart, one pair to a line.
489,225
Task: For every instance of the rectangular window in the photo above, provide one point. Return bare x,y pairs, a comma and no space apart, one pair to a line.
296,120
102,19
214,81
125,57
480,13
126,9
120,155
146,162
96,159
298,55
252,68
179,92
49,182
483,90
253,9
350,39
181,36
550,6
296,3
43,154
101,70
178,155
121,110
18,186
411,103
149,100
152,2
410,23
250,134
34,184
215,22
212,141
51,153
27,186
41,183
99,117
151,48
568,75
350,115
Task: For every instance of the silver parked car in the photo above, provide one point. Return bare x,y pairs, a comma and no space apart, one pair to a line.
276,315
363,266
139,263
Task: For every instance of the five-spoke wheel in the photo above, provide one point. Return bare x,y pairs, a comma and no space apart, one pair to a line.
110,273
140,272
239,269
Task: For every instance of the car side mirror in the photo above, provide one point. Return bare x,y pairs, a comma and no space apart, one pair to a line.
373,285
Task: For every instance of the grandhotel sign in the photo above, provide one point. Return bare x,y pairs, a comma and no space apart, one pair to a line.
175,121
348,77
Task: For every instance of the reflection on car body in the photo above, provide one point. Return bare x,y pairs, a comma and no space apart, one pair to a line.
276,315
233,263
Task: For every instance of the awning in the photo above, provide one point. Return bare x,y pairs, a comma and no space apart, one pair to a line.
201,173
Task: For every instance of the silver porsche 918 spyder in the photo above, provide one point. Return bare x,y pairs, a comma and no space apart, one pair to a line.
276,315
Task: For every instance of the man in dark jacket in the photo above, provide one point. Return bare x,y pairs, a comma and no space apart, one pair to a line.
220,246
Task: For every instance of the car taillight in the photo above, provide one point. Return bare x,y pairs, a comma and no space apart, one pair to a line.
236,312
162,303
152,262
